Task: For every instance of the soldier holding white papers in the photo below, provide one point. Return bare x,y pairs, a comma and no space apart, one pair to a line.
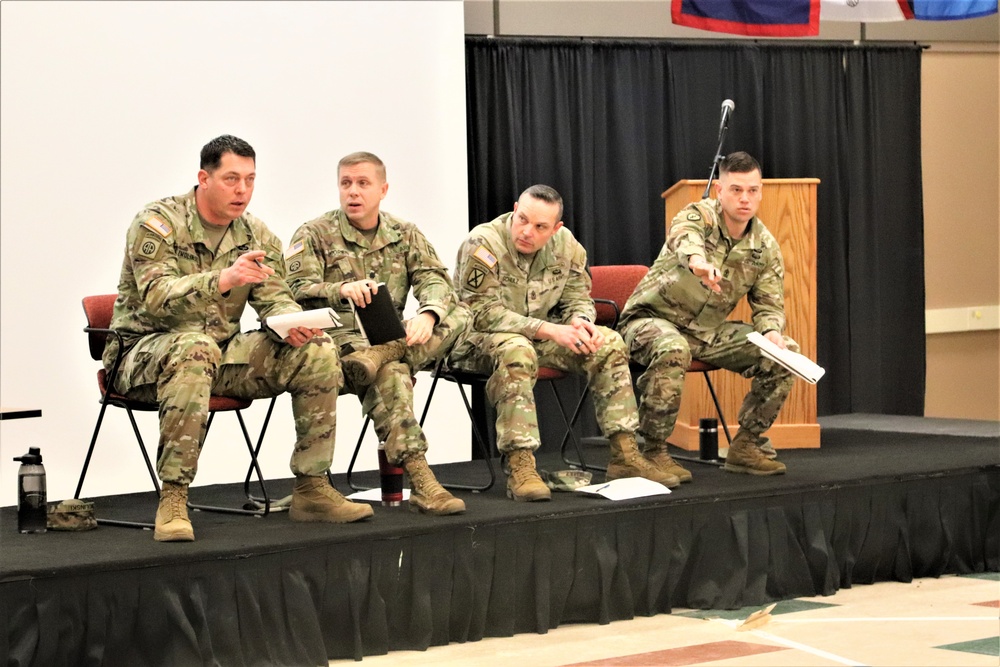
716,251
192,263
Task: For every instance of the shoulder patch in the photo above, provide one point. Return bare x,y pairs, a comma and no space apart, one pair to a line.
149,246
294,249
154,224
694,216
485,256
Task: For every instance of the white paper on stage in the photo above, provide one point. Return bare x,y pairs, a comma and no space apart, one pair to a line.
374,495
626,489
319,318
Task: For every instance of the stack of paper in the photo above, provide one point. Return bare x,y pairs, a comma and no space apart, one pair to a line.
320,318
798,364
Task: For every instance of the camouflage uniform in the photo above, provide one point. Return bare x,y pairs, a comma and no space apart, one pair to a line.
327,252
672,317
183,340
511,296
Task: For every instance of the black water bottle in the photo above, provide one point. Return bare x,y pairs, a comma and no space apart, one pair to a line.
31,501
708,439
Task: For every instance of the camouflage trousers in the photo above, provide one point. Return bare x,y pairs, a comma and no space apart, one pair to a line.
389,399
667,351
180,371
512,362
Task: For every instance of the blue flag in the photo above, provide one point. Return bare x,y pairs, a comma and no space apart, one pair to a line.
950,10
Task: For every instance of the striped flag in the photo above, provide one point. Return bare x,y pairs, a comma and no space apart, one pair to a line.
866,11
758,18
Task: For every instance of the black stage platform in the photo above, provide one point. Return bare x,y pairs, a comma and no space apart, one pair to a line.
881,500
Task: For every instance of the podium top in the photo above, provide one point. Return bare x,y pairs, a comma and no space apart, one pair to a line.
702,182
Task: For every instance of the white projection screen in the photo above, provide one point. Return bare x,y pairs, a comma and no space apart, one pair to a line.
105,107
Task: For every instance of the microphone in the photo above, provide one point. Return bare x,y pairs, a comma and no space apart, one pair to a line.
728,106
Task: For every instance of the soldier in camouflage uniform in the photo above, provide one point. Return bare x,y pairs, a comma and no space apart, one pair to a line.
340,258
716,251
192,262
525,278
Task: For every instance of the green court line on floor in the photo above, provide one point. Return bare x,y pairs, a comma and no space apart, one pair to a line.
784,607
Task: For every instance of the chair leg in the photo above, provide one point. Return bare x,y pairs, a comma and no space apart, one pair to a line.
263,501
149,467
570,435
722,420
254,511
354,457
477,435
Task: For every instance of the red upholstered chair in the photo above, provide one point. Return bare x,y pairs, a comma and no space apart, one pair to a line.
611,288
98,310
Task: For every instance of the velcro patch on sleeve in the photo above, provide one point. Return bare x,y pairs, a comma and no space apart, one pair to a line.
485,256
154,224
149,246
294,249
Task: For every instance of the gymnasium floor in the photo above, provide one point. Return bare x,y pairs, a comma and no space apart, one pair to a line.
954,620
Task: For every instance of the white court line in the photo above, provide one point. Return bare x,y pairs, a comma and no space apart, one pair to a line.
900,619
795,645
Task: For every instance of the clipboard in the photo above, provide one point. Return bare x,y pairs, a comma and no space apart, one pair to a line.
379,321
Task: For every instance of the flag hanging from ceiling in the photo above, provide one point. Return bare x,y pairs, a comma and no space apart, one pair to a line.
866,11
950,10
758,18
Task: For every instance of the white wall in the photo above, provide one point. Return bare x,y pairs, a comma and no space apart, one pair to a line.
105,106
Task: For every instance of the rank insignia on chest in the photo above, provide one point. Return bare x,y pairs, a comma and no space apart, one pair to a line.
756,254
485,256
154,224
294,249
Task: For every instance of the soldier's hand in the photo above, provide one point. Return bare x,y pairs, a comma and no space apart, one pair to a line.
248,268
709,275
299,336
359,291
419,328
568,336
594,334
776,338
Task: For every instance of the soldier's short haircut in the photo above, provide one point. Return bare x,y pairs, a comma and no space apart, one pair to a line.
546,194
739,162
212,152
360,157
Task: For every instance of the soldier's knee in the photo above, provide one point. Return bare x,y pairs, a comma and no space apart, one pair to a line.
518,352
320,363
195,349
670,351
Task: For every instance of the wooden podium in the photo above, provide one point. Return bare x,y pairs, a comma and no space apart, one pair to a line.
788,210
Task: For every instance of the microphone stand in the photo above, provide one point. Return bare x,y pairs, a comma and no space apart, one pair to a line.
718,157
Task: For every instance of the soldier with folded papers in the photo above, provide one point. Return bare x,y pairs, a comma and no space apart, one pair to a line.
339,260
192,263
717,251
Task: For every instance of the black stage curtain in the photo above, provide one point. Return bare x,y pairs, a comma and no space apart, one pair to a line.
319,600
611,124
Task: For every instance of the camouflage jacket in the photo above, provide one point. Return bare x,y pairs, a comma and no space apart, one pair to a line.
170,280
327,252
507,297
750,266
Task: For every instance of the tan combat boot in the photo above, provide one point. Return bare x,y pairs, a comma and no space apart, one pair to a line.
660,458
746,457
626,461
426,494
313,499
172,523
524,482
361,366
